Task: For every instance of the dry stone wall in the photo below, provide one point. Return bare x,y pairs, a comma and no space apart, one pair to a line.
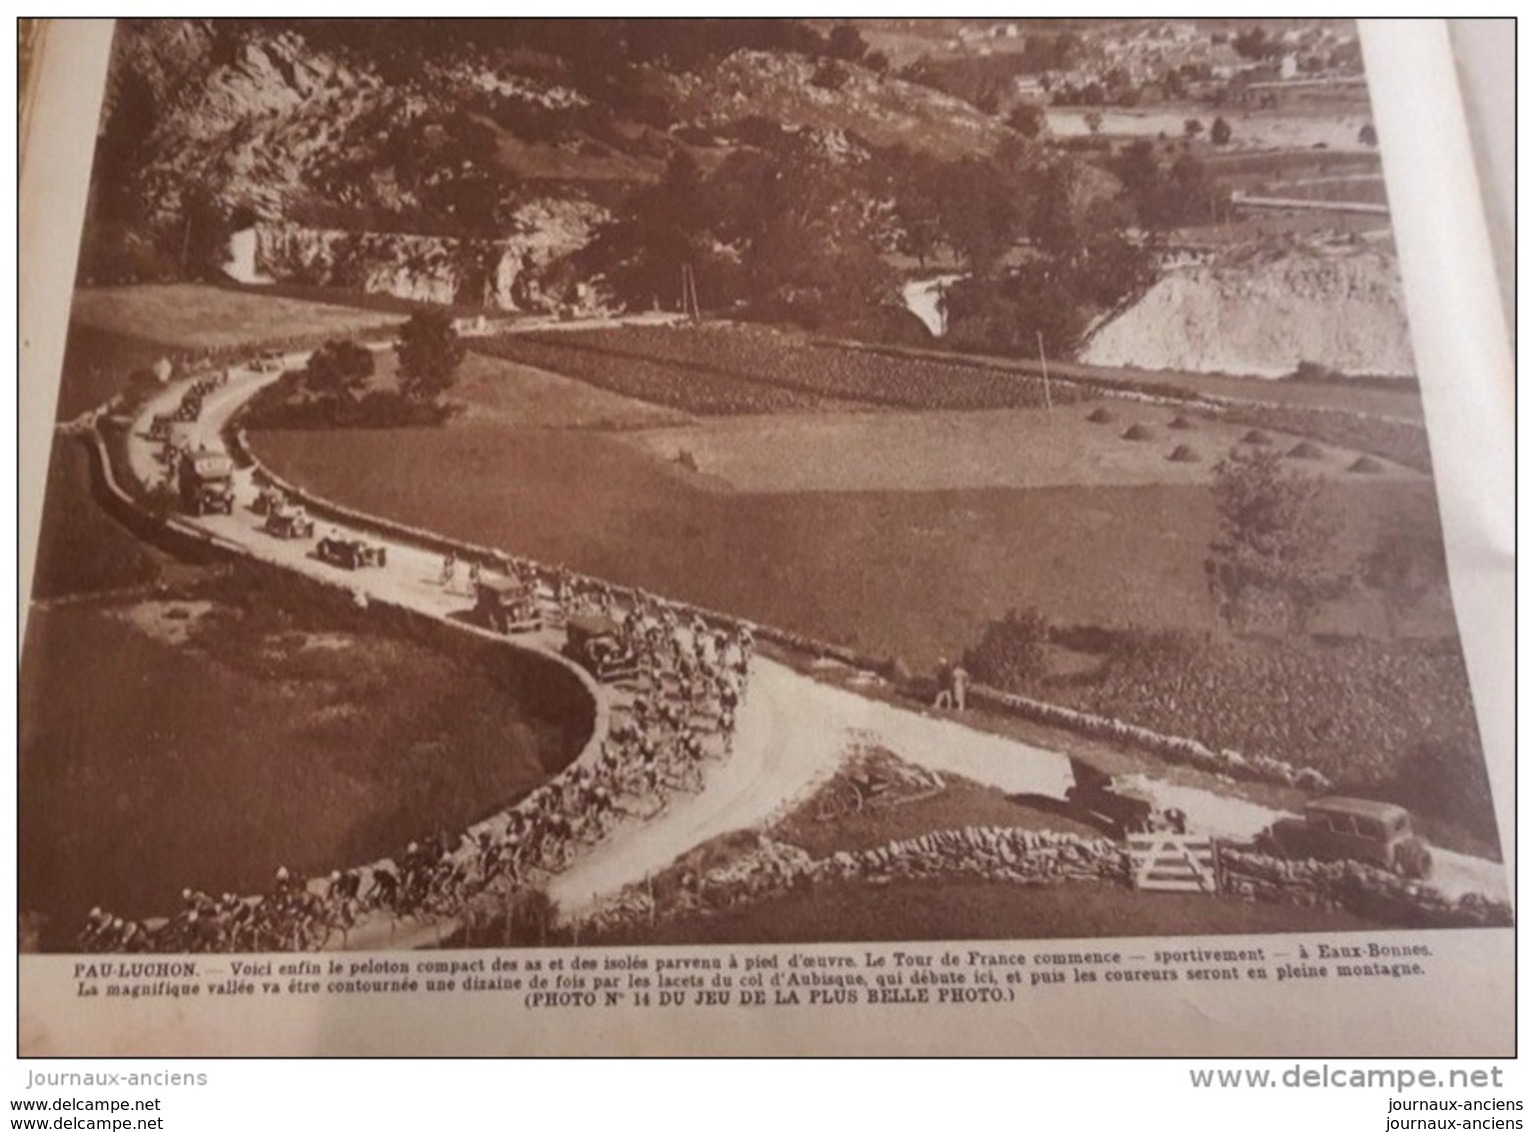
1033,857
1356,887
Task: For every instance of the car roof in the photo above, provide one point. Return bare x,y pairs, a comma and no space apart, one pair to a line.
1364,806
497,583
212,464
592,624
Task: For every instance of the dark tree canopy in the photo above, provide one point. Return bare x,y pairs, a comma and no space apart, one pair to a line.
666,229
339,367
1027,118
846,42
429,352
982,213
1012,652
1169,196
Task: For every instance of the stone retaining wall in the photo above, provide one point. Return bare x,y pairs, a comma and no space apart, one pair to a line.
1261,768
997,853
1355,887
1034,857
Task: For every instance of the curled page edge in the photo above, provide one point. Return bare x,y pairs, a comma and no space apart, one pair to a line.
1464,359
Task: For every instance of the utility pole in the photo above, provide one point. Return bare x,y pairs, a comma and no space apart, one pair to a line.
690,294
1049,405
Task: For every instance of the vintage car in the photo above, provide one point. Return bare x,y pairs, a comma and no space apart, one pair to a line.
289,520
1119,804
205,483
350,553
268,499
506,605
595,642
1352,829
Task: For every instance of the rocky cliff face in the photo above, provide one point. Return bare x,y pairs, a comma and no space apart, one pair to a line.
501,274
252,120
1264,311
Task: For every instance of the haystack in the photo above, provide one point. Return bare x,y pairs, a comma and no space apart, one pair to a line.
1256,436
1305,450
1100,415
1366,465
1179,421
1136,432
1183,454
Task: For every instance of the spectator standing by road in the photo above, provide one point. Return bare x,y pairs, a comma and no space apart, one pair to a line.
958,686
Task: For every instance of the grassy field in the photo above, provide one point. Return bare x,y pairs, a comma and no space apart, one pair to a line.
1333,127
1247,225
79,548
507,394
348,297
1352,189
97,364
999,448
208,737
1284,165
193,316
975,909
912,574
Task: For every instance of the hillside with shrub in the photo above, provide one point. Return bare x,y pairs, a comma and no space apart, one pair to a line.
768,168
455,127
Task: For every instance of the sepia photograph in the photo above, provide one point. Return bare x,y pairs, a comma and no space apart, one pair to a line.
620,486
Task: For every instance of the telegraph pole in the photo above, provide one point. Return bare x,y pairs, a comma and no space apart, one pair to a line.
1049,405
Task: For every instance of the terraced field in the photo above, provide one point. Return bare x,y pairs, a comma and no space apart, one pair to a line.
724,369
198,317
704,391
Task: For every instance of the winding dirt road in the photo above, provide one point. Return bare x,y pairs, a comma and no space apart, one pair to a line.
792,730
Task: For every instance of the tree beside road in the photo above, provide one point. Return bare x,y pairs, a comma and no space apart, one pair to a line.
429,352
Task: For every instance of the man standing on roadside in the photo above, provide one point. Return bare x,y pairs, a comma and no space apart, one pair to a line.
958,685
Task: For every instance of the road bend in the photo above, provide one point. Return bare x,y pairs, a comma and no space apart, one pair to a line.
792,731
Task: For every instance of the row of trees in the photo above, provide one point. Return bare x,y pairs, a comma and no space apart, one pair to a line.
786,228
429,351
336,388
1167,194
